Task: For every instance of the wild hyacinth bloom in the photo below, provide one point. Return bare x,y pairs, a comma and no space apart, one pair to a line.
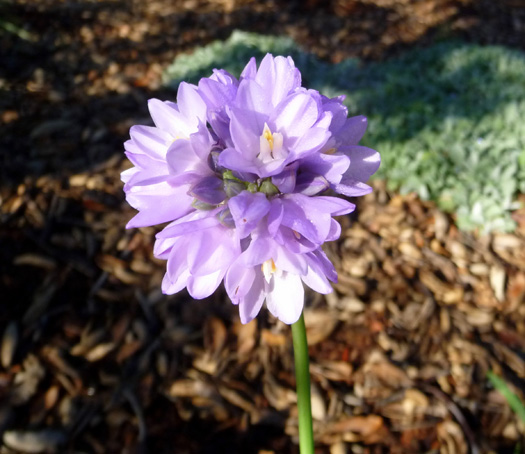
243,171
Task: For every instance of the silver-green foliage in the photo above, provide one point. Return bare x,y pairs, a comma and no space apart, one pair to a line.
449,120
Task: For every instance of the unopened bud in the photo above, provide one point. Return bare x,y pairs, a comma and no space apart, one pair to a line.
268,188
226,219
252,187
203,206
233,188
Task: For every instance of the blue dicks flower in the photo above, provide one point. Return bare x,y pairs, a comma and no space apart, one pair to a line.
242,170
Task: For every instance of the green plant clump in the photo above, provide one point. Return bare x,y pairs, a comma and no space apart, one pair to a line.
448,120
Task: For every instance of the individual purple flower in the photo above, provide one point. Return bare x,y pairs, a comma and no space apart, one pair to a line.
242,170
342,165
269,272
273,121
283,253
218,92
167,158
199,250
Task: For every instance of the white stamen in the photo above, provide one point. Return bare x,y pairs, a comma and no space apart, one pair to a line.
270,145
268,268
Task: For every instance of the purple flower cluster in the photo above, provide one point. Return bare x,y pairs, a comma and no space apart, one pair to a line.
241,169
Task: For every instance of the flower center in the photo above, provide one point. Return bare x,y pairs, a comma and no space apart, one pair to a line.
268,268
270,146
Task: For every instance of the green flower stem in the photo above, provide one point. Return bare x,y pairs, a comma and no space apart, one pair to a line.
302,376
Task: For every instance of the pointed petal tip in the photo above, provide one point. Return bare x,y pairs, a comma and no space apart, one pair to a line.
245,319
131,223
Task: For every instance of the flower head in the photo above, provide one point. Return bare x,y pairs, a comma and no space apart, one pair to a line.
243,171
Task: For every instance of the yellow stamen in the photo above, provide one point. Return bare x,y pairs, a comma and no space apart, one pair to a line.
271,145
267,134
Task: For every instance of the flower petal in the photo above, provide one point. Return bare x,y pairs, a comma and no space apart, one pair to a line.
364,162
166,117
334,205
275,216
250,70
252,99
285,181
177,261
245,129
315,278
310,184
232,159
151,141
200,287
181,158
157,209
191,105
353,130
289,261
312,140
295,115
278,76
209,190
285,300
251,303
213,249
170,287
247,210
238,279
352,188
306,216
194,222
260,249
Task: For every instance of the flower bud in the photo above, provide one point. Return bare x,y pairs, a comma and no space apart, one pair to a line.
268,188
226,219
233,188
208,190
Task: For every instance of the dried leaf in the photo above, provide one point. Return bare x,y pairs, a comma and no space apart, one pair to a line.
319,325
215,335
27,380
370,429
100,351
190,388
234,397
497,281
318,403
277,395
451,438
246,337
46,440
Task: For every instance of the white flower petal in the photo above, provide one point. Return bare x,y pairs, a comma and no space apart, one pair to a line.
286,297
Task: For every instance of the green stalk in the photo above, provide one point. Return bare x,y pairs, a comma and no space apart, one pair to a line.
302,376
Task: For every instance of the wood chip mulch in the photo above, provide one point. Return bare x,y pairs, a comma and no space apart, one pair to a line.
94,359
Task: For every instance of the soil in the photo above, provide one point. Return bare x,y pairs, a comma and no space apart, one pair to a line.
96,360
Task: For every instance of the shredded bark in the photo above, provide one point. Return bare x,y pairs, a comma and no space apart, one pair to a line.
95,359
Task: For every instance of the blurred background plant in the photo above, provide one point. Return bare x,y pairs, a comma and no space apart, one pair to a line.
11,23
514,401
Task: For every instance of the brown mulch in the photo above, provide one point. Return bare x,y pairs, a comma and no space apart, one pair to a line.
94,359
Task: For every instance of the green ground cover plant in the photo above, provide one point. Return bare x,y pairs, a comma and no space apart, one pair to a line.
448,120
